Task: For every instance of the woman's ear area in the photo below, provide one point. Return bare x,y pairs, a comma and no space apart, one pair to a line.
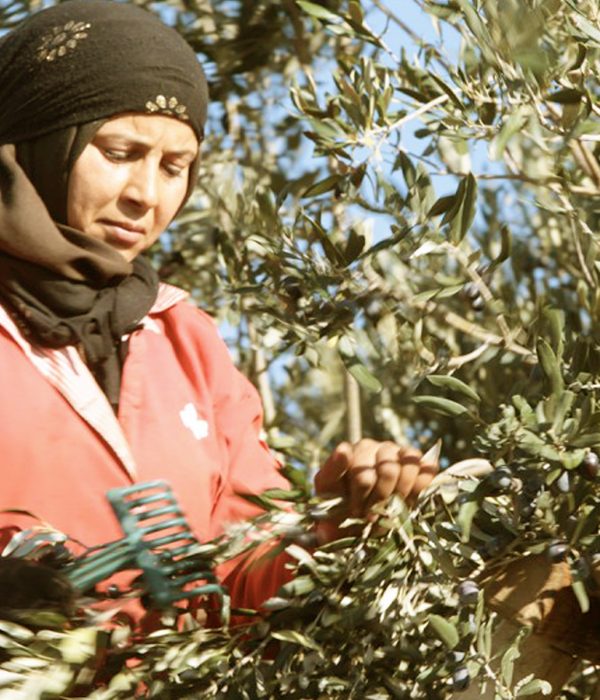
7,176
192,175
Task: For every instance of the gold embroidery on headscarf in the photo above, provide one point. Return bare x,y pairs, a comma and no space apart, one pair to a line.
168,106
61,40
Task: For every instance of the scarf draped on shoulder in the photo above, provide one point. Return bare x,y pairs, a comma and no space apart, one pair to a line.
65,288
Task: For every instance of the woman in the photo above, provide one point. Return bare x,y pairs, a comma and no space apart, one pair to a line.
108,377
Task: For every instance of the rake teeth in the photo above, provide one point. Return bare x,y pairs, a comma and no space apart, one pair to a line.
161,525
165,510
160,539
172,538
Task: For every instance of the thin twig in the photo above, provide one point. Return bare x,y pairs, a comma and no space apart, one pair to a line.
580,256
353,412
576,223
262,377
394,17
413,115
482,334
585,191
457,362
418,40
486,337
481,285
586,161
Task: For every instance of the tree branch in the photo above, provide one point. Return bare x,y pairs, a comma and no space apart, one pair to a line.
262,378
353,412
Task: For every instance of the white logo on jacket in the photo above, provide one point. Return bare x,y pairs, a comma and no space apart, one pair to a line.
191,419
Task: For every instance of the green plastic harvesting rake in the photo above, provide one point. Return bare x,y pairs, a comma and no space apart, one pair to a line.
158,541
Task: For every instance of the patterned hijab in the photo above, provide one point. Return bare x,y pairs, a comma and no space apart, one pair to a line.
63,73
85,60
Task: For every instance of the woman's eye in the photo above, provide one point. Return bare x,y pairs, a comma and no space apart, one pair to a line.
175,170
114,154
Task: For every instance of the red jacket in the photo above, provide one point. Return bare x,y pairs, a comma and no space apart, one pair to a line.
185,415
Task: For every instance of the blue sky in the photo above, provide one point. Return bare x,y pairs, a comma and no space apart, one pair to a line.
410,12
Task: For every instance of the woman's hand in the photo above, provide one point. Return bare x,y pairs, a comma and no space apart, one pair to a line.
368,473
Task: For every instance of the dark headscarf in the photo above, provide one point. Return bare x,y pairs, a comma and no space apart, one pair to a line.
63,73
85,60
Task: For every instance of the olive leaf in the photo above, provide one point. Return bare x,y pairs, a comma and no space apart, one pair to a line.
454,384
441,405
445,630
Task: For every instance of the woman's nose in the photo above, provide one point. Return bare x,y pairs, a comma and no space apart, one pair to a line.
143,184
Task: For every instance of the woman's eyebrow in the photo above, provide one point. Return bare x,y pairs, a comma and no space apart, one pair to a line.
185,152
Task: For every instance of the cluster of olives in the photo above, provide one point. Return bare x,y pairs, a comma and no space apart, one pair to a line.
589,469
468,594
558,550
501,480
472,293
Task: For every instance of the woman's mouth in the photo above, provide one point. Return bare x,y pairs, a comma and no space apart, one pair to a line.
122,233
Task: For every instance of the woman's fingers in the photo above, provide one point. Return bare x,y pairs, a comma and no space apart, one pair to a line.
411,468
361,475
426,475
330,479
376,470
387,471
369,472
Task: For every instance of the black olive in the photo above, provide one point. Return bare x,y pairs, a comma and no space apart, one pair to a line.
493,547
526,506
113,591
501,478
456,656
468,592
306,539
590,466
478,304
461,678
557,552
471,290
582,568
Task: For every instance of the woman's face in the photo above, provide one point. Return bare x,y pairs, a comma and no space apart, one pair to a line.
130,180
